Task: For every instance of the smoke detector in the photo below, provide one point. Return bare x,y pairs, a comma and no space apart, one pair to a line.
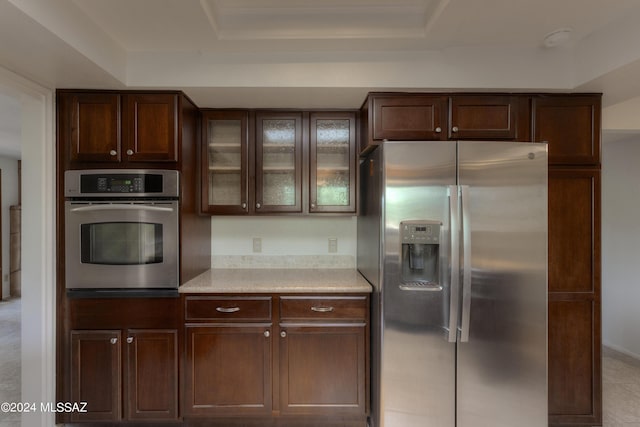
557,37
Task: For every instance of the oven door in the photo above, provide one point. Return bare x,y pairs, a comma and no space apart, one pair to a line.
121,245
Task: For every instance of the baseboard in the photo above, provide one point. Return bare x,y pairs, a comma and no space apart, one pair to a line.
608,347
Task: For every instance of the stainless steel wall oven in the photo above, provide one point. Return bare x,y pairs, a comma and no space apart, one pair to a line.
122,230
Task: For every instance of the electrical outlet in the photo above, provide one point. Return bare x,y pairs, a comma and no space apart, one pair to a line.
333,245
257,244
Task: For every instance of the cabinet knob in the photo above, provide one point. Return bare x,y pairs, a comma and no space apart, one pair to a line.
283,334
244,206
258,205
113,153
313,205
113,340
267,334
129,152
129,340
455,129
438,129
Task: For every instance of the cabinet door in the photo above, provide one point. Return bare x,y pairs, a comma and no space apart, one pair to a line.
332,169
571,126
228,370
151,374
322,369
575,391
96,374
150,127
278,162
409,117
225,162
93,123
491,117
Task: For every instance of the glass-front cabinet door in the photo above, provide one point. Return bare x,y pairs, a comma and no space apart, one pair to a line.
225,162
278,162
332,175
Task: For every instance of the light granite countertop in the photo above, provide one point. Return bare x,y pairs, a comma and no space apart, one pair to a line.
277,280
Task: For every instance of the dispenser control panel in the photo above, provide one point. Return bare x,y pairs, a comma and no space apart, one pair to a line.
416,232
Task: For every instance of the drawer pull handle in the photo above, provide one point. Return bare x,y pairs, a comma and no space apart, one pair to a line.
322,309
227,309
129,340
113,340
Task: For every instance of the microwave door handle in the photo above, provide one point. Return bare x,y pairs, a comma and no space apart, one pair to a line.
121,207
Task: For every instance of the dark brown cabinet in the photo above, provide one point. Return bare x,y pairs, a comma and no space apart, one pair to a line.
571,126
323,361
308,358
575,394
150,127
278,162
228,355
434,117
403,117
225,162
228,370
113,128
96,374
332,160
491,117
142,373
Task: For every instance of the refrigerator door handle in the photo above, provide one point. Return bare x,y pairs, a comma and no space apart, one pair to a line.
466,264
454,273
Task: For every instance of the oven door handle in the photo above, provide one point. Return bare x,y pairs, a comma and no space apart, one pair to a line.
120,207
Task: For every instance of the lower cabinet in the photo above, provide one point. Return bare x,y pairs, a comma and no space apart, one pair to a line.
322,369
134,380
259,358
228,370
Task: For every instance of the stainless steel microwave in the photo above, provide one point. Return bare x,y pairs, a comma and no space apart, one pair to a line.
121,229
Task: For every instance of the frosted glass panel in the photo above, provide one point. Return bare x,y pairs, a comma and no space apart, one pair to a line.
225,188
225,162
279,188
332,162
278,162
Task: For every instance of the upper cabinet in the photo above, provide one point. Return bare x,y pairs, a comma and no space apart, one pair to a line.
278,181
495,117
272,162
225,162
400,117
332,155
416,116
571,126
115,128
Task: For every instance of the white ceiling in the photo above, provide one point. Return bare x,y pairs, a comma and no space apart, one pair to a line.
323,53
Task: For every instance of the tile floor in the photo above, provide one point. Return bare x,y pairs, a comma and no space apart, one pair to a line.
621,375
620,390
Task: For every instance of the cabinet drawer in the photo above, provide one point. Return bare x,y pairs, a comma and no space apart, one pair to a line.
323,308
228,308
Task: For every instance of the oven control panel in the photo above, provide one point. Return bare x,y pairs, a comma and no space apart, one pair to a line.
125,184
121,183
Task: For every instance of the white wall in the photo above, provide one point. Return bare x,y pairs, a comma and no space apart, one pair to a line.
38,240
9,169
282,235
621,245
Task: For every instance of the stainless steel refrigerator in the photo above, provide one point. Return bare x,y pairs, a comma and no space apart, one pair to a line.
453,238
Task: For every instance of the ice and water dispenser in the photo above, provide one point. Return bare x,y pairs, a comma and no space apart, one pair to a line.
420,255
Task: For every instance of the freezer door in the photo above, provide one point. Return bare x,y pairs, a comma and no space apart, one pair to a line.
502,348
417,372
